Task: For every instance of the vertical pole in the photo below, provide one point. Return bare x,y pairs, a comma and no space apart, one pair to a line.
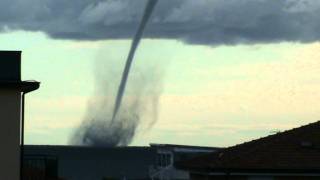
22,137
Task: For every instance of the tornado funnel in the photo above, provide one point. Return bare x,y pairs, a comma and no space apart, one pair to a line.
147,13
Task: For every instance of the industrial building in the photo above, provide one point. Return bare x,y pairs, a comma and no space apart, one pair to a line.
156,161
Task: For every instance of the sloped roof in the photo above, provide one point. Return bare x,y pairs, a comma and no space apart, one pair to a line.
296,149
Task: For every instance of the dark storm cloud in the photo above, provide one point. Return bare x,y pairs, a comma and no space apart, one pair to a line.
199,22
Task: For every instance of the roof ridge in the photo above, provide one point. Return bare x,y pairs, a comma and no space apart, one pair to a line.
275,135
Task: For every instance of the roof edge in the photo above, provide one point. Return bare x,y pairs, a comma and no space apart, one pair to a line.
22,86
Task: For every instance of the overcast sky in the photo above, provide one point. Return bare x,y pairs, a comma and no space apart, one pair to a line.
209,22
231,70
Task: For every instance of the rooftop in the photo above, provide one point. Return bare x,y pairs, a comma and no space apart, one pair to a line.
295,149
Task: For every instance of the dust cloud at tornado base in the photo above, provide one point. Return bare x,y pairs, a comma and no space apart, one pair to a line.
139,109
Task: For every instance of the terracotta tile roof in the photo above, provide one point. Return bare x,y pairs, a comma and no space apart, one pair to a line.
295,149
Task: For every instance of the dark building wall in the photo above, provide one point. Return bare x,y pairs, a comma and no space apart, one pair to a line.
208,177
10,110
297,178
90,163
10,66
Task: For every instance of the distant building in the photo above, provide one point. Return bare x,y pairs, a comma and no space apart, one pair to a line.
97,163
12,91
168,155
289,155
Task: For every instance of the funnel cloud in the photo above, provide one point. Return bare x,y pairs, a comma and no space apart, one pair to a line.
135,43
120,130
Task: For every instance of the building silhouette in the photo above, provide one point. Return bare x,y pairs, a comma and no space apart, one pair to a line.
12,92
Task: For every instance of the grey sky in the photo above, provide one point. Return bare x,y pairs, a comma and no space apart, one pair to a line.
208,22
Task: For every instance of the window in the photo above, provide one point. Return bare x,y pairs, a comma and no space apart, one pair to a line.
164,159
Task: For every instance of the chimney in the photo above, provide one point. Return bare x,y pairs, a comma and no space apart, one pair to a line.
12,91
